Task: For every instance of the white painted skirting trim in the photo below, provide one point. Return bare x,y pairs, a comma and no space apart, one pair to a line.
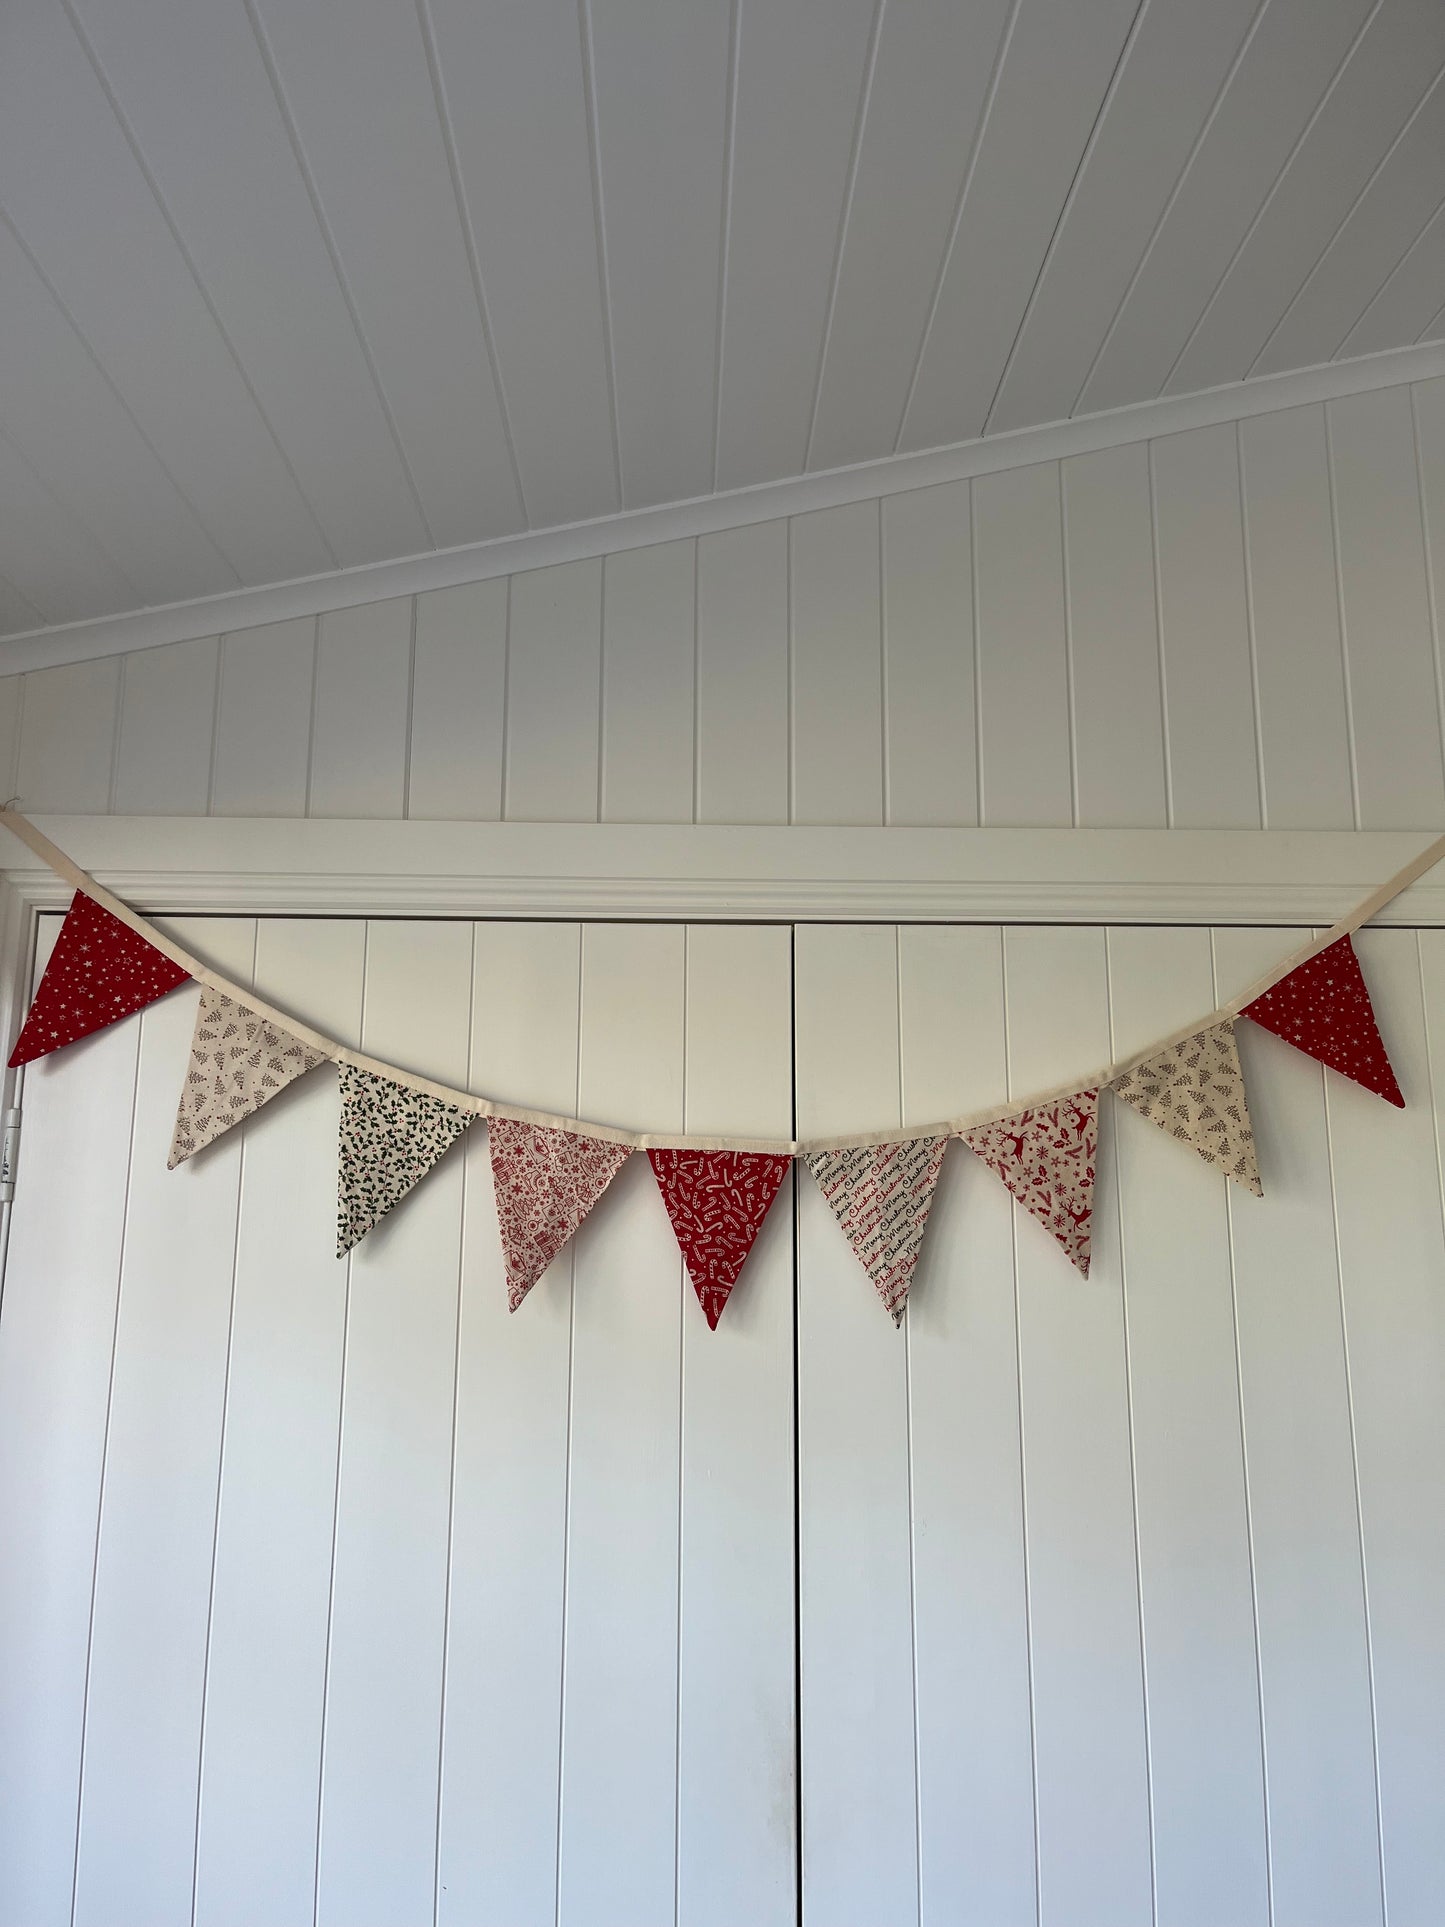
765,501
708,873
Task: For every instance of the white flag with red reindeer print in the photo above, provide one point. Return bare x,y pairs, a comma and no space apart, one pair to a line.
1046,1158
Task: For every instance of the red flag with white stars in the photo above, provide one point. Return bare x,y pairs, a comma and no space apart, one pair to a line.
1324,1009
99,971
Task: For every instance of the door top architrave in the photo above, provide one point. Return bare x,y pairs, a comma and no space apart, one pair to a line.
706,872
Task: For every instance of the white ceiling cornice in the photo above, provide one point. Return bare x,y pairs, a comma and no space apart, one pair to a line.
705,515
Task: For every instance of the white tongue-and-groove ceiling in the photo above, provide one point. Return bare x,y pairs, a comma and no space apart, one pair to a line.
288,286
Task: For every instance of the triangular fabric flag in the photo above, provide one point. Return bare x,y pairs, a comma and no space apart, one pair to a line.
546,1182
99,971
1324,1009
391,1135
1046,1158
880,1194
1194,1090
239,1061
717,1201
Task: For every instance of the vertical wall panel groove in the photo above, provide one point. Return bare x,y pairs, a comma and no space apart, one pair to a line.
1107,1172
736,1752
1213,767
1359,1507
743,732
1023,684
1294,612
362,711
499,1794
1394,688
1194,1563
135,1852
1351,734
1234,1196
226,1380
618,1828
1392,1258
554,654
860,1840
256,1850
383,1704
57,1329
1313,1655
262,752
837,725
1427,414
458,703
929,656
1114,639
1094,1843
67,738
975,1824
12,691
166,725
647,689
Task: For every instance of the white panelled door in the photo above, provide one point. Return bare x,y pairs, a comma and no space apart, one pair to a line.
334,1594
1120,1598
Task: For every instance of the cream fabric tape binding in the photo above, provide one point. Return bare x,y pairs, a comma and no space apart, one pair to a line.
71,873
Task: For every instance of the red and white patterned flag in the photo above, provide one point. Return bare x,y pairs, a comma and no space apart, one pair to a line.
880,1195
1324,1009
546,1183
717,1201
99,971
1194,1090
1046,1158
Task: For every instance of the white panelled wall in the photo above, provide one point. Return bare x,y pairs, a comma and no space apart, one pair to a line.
1234,626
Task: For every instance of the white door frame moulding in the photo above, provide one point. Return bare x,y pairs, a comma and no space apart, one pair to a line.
705,515
702,872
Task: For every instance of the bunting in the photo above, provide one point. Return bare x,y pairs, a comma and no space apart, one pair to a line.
240,1060
546,1183
717,1201
1324,1010
880,1194
550,1173
1195,1092
1046,1158
391,1135
99,971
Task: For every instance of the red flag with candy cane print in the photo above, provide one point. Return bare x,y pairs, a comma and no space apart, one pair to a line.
1324,1009
1046,1158
717,1201
99,971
